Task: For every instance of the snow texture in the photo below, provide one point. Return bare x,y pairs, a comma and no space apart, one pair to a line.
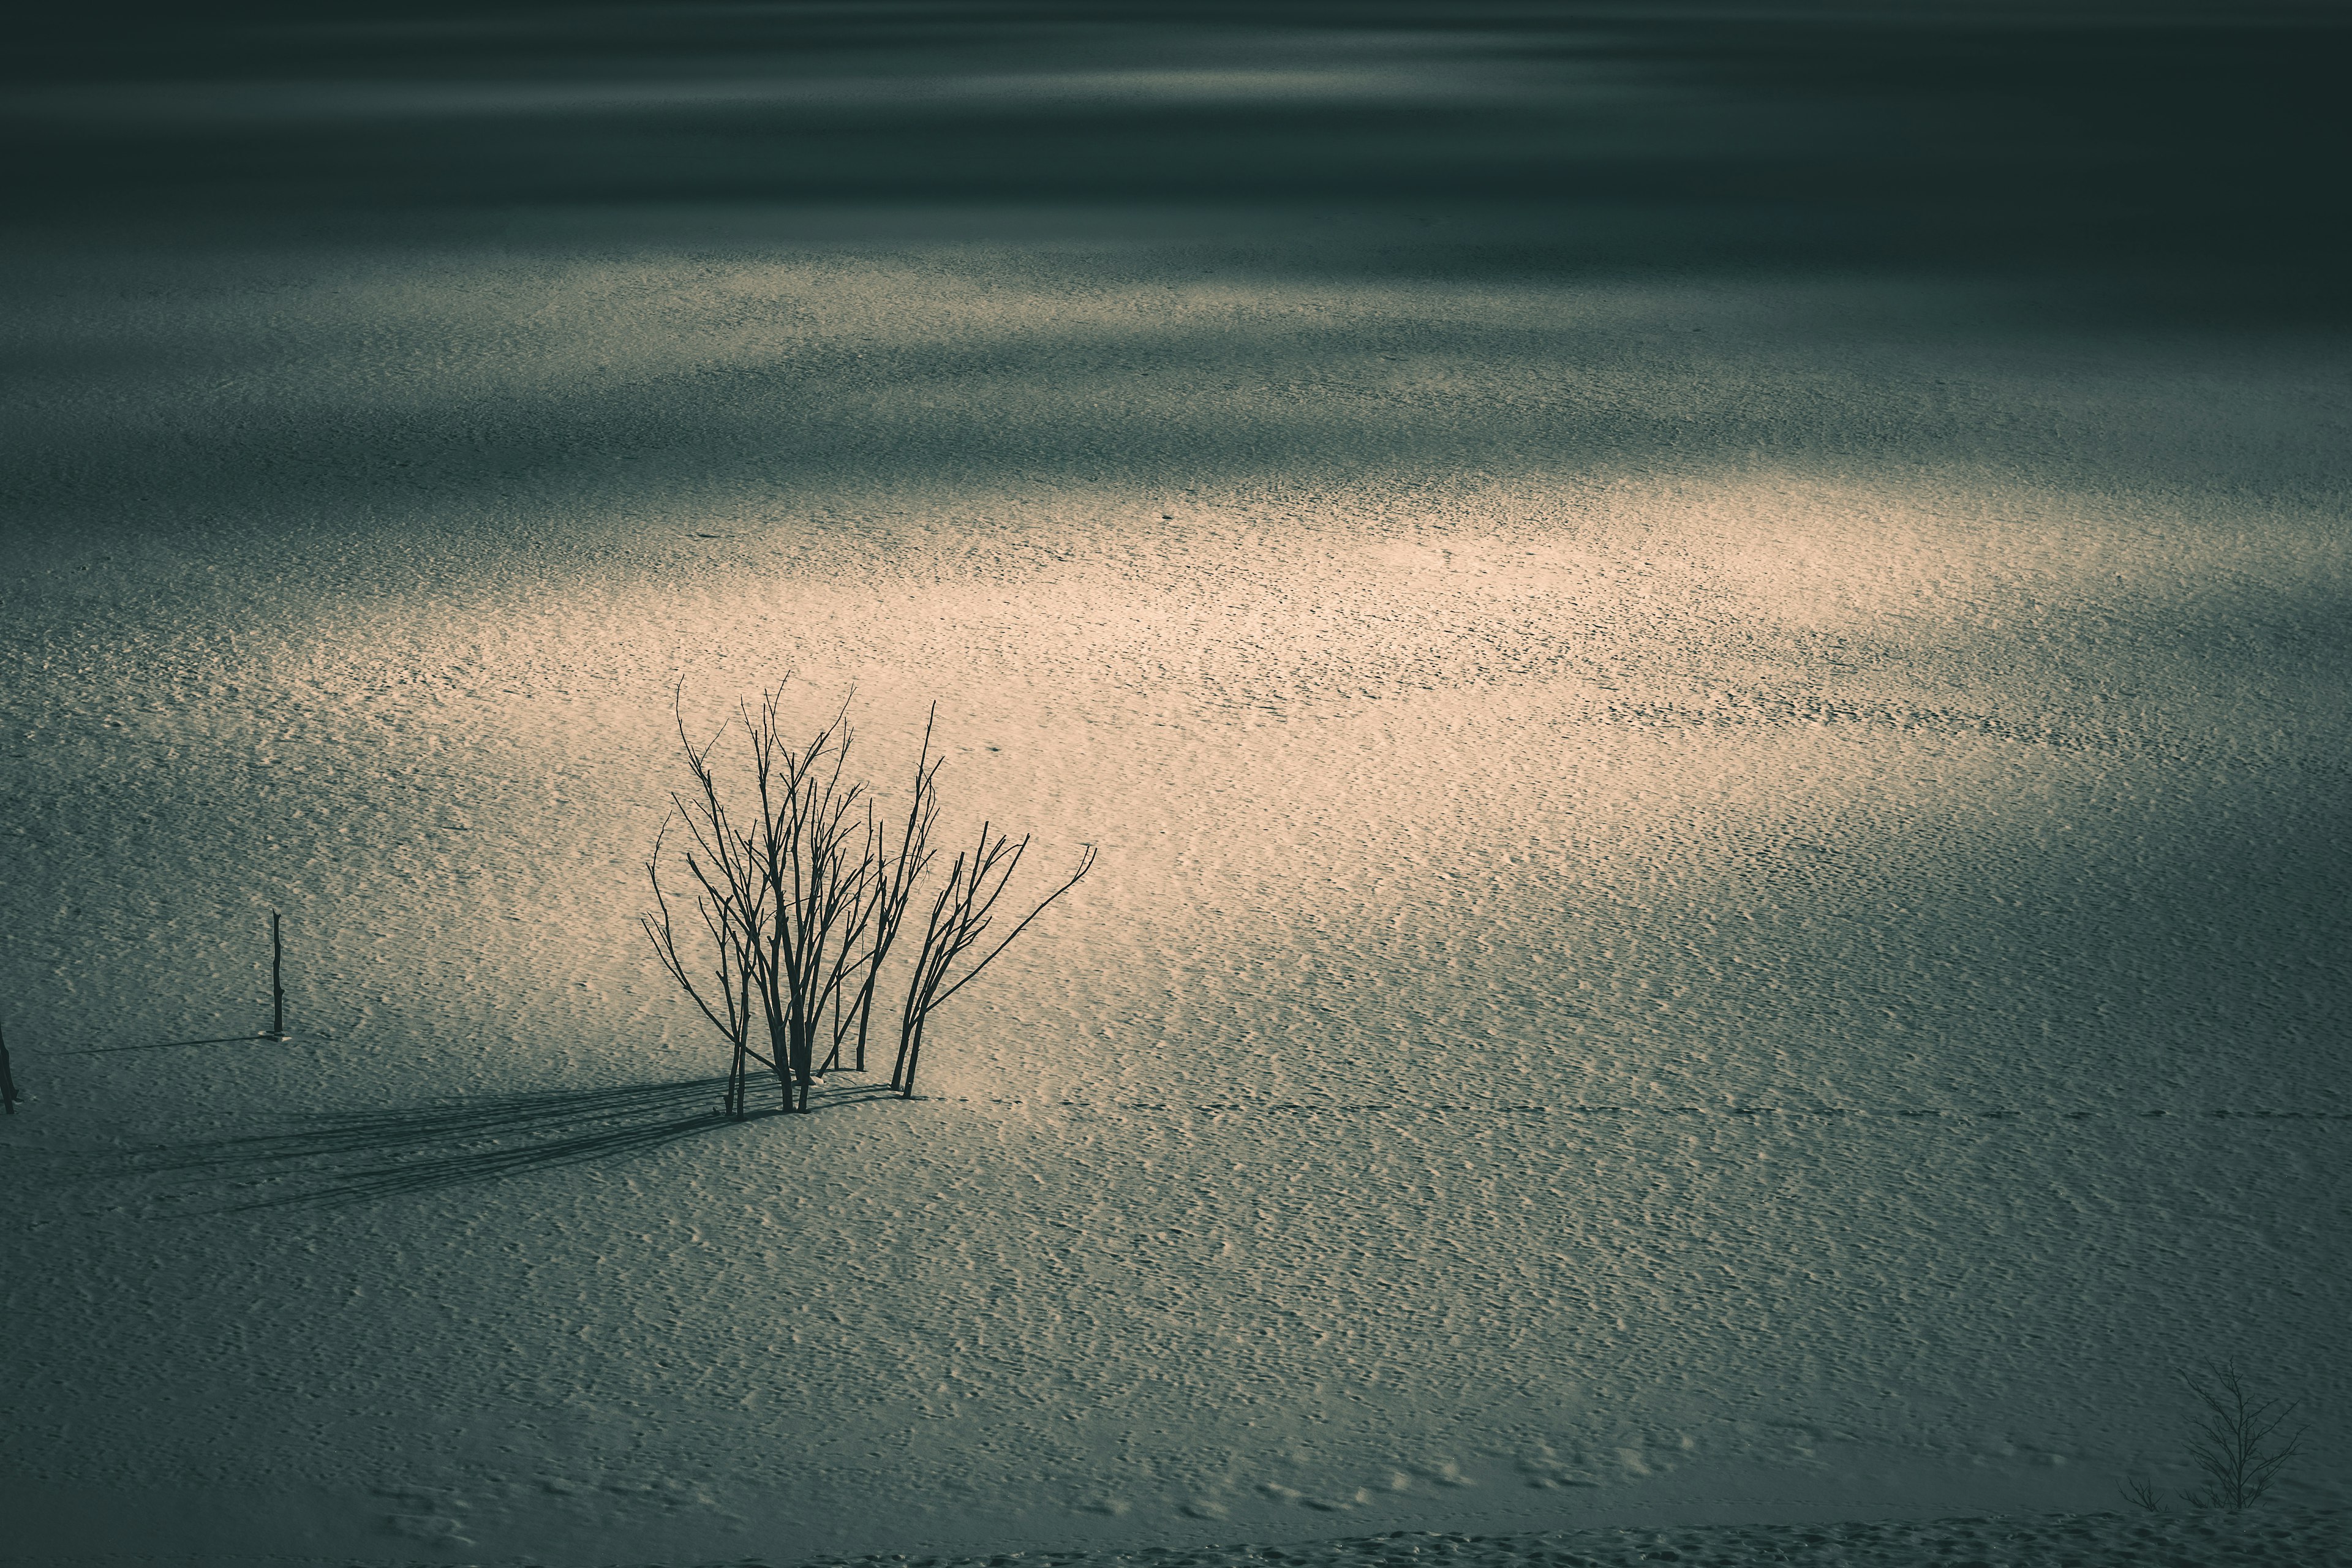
1721,903
2096,1540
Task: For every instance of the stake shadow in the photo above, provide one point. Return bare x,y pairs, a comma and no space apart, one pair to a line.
165,1046
335,1159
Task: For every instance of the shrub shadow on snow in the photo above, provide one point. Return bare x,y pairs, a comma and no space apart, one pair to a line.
335,1158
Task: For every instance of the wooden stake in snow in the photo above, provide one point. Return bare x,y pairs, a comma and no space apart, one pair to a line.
8,1081
277,987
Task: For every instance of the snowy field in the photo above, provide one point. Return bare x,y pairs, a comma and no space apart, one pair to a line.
1721,902
1715,903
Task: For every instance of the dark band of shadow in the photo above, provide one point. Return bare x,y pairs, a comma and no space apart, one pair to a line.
340,1158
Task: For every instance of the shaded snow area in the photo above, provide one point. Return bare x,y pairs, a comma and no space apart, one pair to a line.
1721,905
2092,1541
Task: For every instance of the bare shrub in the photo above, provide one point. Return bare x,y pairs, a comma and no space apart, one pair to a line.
799,891
2235,1443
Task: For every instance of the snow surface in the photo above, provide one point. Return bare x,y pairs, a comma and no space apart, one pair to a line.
2307,1538
1720,901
